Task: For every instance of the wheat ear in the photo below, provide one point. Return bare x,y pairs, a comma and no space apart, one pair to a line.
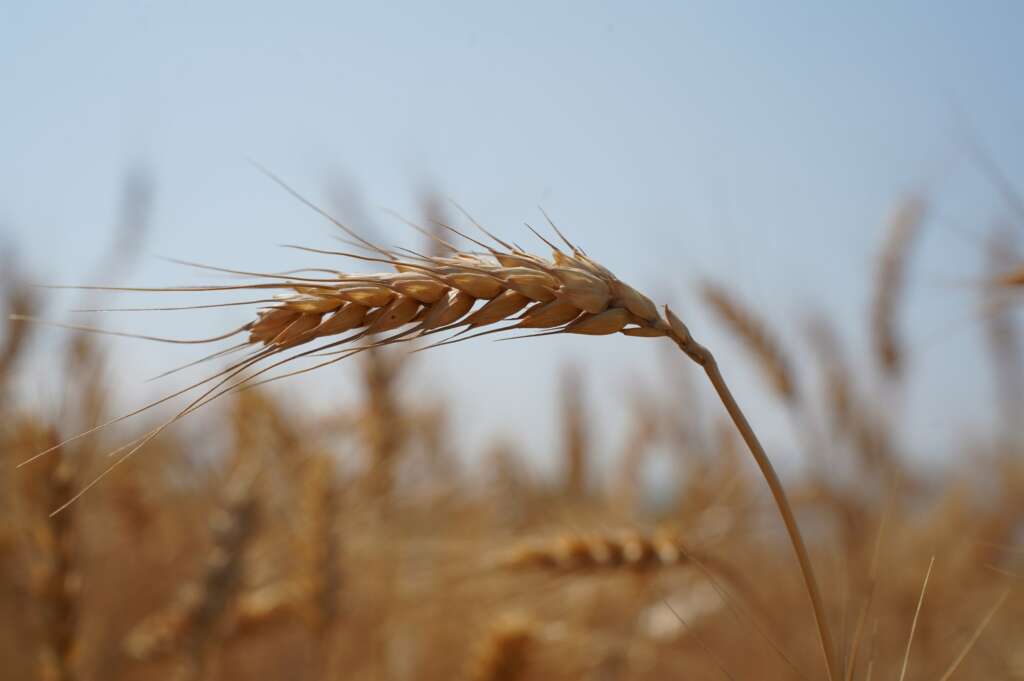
890,282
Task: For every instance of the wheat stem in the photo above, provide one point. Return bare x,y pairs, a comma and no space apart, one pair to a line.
702,356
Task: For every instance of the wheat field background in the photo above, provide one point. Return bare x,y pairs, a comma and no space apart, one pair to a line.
272,541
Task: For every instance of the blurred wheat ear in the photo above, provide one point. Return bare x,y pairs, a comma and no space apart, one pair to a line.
890,284
495,289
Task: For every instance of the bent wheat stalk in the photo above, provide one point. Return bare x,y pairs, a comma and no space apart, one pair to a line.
702,356
496,289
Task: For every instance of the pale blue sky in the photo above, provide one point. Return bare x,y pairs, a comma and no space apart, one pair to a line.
761,143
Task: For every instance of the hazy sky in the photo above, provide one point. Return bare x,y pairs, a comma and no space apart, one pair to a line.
761,144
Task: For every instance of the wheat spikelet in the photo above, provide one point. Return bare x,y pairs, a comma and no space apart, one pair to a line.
756,337
890,283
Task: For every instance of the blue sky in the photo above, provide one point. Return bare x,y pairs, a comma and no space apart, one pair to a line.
762,145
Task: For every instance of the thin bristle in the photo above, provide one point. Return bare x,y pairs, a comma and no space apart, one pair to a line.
240,303
425,232
122,334
351,232
913,624
226,270
469,217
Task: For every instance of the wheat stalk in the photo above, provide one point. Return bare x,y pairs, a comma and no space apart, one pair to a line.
703,357
497,289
